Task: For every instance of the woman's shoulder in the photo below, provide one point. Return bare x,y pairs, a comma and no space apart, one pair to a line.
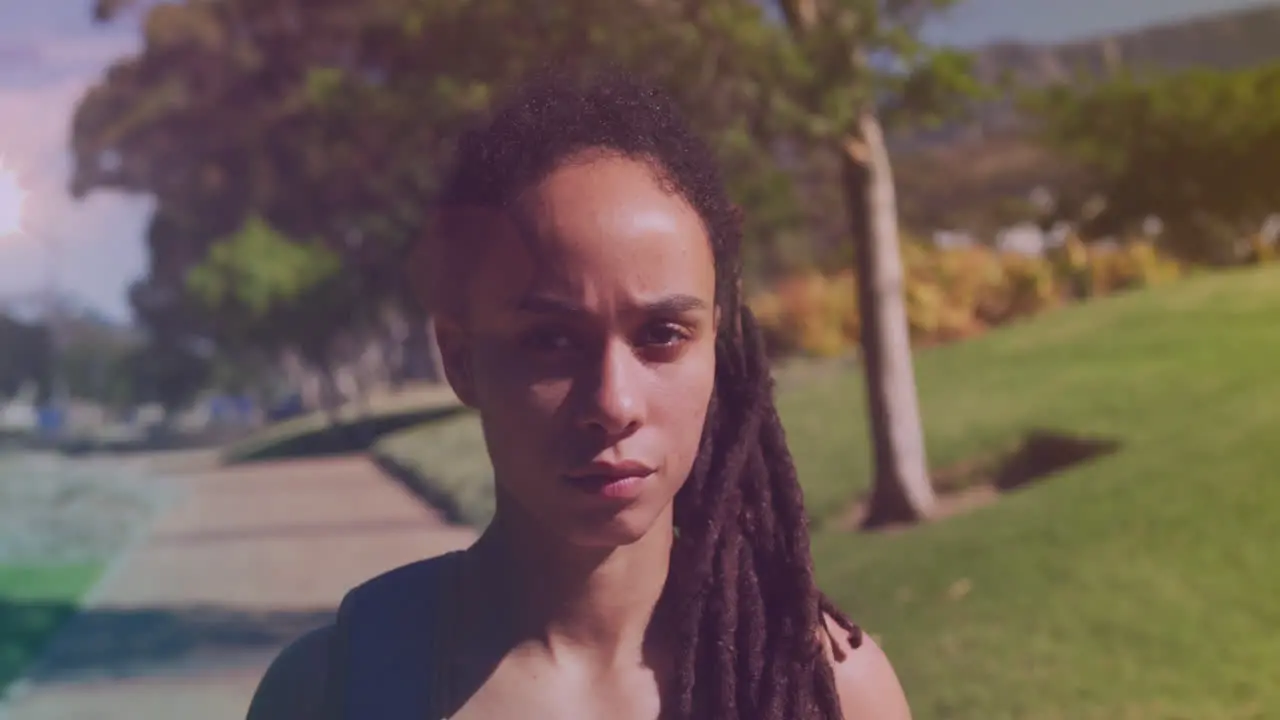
293,686
298,682
865,679
421,575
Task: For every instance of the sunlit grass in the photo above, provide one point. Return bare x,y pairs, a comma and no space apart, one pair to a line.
34,602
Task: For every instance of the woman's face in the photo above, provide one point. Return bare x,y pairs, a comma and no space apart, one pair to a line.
588,348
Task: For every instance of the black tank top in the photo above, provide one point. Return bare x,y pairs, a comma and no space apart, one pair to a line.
381,666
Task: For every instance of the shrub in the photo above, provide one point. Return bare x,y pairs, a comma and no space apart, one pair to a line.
1147,265
807,314
1071,265
1136,264
843,290
925,307
1035,288
972,281
954,293
767,307
1261,250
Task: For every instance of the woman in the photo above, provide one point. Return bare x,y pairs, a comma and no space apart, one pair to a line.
649,556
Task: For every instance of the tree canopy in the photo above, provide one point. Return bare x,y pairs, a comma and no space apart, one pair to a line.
1195,149
327,127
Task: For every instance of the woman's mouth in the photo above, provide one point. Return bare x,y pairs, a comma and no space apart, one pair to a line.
611,480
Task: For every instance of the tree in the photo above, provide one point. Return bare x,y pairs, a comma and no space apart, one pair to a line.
853,62
224,118
168,373
334,122
268,293
330,121
1196,149
26,359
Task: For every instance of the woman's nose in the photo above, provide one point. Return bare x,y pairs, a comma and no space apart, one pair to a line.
614,401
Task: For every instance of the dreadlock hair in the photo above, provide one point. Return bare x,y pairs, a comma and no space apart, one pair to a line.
741,588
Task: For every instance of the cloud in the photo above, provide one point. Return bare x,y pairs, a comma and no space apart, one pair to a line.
43,58
98,241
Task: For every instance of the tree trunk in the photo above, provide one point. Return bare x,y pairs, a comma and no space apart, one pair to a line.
901,489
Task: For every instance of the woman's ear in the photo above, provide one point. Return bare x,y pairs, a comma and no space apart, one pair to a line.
455,355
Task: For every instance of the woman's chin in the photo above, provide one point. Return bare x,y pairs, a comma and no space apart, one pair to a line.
621,529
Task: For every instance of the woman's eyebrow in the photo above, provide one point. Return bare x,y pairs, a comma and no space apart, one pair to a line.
544,304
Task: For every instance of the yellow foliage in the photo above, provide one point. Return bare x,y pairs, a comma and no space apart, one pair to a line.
953,293
808,313
1149,266
972,281
844,298
1136,264
1031,284
1077,253
1263,251
1071,265
925,305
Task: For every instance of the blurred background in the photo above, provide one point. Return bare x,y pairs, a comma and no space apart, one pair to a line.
1014,260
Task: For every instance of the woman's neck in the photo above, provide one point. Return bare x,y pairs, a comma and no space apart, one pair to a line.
592,604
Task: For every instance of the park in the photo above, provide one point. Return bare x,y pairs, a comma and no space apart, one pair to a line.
1096,415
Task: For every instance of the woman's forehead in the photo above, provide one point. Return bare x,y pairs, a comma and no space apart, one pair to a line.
607,227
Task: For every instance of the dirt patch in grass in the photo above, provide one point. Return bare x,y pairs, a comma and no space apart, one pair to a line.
977,482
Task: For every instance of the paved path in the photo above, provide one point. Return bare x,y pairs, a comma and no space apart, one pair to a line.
252,556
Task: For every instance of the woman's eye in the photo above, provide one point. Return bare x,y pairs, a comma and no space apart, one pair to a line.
548,340
664,335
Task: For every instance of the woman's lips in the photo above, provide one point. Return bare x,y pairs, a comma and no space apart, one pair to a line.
623,480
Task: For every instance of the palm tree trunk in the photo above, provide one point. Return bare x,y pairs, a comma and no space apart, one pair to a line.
901,489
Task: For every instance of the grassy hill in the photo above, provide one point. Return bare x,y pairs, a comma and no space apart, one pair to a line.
1137,586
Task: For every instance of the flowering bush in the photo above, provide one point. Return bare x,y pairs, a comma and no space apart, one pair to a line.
953,294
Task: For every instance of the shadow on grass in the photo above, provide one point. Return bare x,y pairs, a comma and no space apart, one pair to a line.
342,438
154,443
428,491
977,482
25,627
124,643
1044,453
1039,455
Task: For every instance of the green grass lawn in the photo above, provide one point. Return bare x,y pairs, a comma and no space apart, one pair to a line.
1136,586
445,460
356,429
34,602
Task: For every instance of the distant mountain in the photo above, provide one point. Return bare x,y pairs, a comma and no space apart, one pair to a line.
1229,40
1225,41
972,23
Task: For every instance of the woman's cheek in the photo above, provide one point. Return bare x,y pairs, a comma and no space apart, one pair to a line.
685,392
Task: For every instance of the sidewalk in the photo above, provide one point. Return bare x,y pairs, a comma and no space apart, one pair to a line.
187,621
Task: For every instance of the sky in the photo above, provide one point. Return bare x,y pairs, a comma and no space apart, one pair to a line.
981,21
51,53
